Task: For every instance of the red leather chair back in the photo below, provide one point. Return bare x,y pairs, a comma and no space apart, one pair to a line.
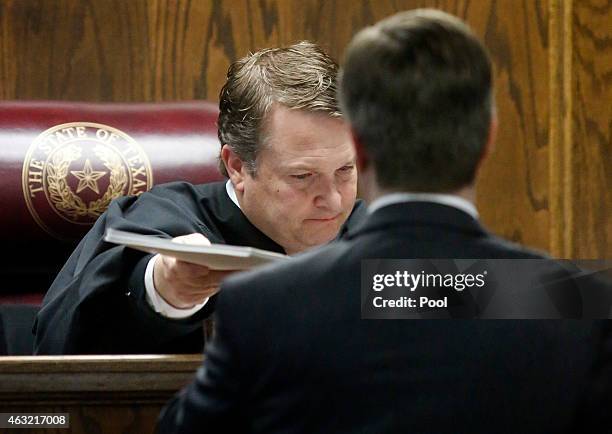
61,163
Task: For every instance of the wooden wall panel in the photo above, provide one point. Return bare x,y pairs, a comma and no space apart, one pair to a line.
590,232
513,186
552,65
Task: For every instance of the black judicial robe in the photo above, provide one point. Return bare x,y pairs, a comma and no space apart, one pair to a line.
97,304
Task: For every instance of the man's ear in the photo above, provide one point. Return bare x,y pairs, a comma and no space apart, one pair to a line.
490,145
363,161
234,166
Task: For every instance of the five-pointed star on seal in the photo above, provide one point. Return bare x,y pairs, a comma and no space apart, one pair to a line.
88,178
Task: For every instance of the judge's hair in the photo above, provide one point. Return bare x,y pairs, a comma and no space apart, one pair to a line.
301,76
417,91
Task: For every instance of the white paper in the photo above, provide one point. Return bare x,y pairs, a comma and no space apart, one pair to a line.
214,256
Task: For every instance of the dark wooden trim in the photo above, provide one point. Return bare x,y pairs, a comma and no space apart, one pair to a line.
94,380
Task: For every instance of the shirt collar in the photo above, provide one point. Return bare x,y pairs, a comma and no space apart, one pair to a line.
443,199
229,187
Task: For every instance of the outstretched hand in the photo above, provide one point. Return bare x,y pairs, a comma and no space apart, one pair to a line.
182,284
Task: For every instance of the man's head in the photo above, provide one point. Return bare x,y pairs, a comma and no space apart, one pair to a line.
285,145
417,90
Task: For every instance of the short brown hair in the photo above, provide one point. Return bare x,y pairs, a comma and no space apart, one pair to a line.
417,90
301,76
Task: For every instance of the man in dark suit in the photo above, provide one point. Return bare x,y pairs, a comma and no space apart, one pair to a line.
291,352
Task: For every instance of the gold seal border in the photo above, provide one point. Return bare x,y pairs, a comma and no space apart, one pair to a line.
34,146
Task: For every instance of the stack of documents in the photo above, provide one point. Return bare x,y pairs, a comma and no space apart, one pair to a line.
214,256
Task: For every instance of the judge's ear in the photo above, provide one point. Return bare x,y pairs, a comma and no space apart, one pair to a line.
236,169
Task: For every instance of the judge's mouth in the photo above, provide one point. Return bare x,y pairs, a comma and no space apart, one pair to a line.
324,219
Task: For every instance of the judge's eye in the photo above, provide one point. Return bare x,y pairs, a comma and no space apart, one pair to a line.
301,176
345,171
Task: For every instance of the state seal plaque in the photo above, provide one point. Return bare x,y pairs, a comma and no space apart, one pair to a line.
72,171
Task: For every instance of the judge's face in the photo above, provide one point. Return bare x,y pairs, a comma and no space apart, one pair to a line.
305,184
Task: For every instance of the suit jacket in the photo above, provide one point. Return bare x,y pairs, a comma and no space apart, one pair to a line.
291,353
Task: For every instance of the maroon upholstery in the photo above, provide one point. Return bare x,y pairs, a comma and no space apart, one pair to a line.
62,162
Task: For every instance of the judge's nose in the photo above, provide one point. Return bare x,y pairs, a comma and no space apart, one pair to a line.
328,197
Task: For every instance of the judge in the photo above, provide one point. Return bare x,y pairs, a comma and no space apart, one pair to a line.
292,186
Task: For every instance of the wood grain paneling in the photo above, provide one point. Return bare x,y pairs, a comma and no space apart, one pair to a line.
513,187
591,117
101,394
547,183
560,59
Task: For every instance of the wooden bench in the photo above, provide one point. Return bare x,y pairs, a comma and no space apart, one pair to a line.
106,394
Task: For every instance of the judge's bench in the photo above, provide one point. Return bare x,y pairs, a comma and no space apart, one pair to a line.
61,163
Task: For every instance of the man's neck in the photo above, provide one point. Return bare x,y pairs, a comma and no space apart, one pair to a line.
468,193
460,199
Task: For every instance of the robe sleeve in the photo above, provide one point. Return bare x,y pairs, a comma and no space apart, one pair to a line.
97,304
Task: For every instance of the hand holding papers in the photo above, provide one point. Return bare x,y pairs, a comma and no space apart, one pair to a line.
214,256
190,269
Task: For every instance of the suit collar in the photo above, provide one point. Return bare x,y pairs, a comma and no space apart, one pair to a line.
231,193
415,214
444,199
